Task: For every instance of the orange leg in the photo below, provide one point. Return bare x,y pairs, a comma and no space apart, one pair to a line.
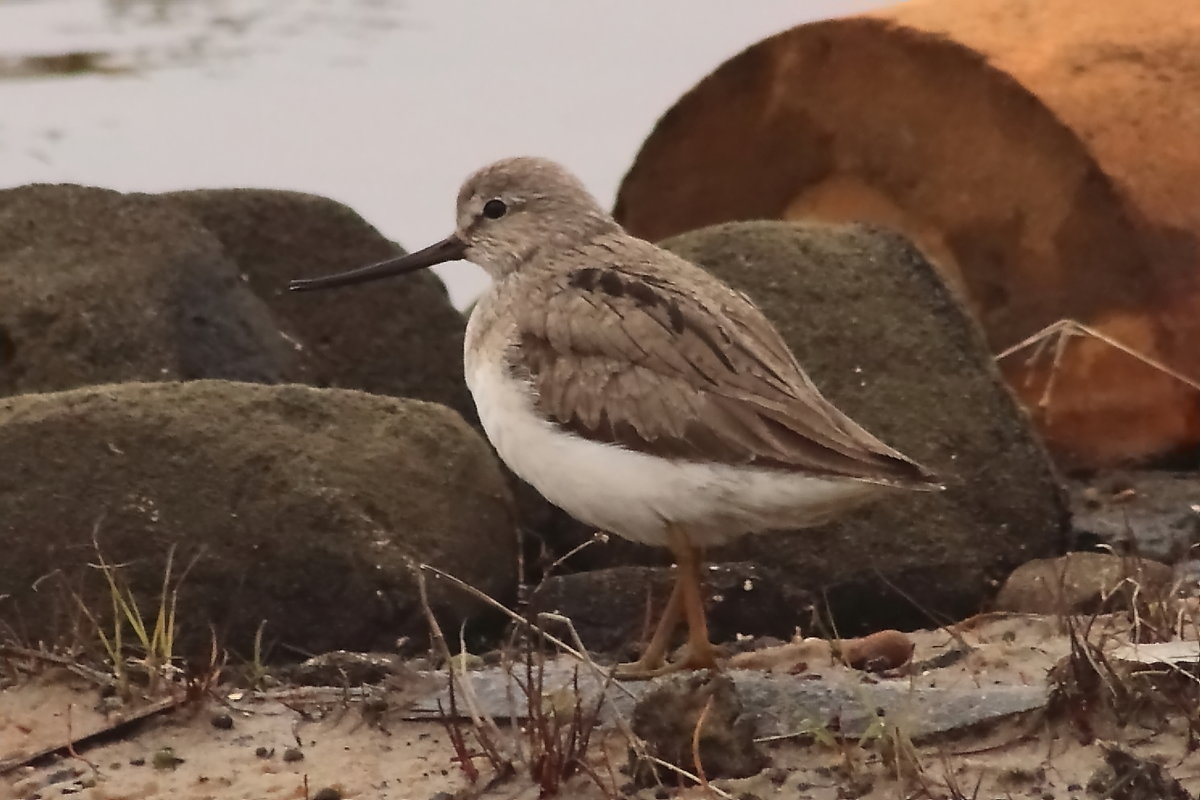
653,659
686,596
700,652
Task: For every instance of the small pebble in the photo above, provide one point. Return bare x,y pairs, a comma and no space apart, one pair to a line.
58,776
166,759
222,721
136,762
263,752
293,754
878,652
328,793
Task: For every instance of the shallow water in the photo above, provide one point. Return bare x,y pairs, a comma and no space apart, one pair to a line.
384,105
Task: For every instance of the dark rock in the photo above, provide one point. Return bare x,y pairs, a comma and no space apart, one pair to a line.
222,722
1149,513
401,337
102,287
328,793
299,506
341,668
1083,583
666,718
1124,776
293,754
885,339
615,609
62,775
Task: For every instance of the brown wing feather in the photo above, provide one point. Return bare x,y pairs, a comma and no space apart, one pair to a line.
626,356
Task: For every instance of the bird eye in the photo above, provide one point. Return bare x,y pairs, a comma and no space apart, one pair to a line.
494,209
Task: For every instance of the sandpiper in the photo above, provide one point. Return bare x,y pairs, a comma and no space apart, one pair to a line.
638,392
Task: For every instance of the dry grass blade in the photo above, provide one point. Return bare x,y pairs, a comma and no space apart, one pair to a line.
487,733
496,604
1064,329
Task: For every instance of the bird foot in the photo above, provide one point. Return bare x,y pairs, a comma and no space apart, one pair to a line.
693,658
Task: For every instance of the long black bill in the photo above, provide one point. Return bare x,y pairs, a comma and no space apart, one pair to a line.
451,248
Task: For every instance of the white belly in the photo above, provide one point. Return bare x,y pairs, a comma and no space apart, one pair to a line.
635,495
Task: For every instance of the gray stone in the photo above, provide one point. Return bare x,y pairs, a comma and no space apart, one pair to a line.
1150,513
779,705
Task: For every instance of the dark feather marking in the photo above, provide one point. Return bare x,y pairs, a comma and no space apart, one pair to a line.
643,295
584,278
610,284
676,316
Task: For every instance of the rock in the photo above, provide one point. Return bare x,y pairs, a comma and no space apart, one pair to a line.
1149,513
401,338
615,609
342,668
779,704
885,340
666,718
103,287
298,506
877,652
1125,776
974,129
1083,583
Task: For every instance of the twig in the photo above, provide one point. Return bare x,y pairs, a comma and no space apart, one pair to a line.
634,740
596,538
496,604
95,676
696,743
478,719
71,743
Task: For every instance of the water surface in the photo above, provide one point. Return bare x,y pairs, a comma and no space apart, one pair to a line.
381,104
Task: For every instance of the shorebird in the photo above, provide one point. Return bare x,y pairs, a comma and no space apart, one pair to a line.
638,392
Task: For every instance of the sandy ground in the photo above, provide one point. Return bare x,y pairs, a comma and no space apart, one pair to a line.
294,743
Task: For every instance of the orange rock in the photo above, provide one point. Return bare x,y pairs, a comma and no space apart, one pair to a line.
877,652
1043,152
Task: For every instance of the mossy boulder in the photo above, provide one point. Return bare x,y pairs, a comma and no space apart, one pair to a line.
103,287
401,337
300,507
